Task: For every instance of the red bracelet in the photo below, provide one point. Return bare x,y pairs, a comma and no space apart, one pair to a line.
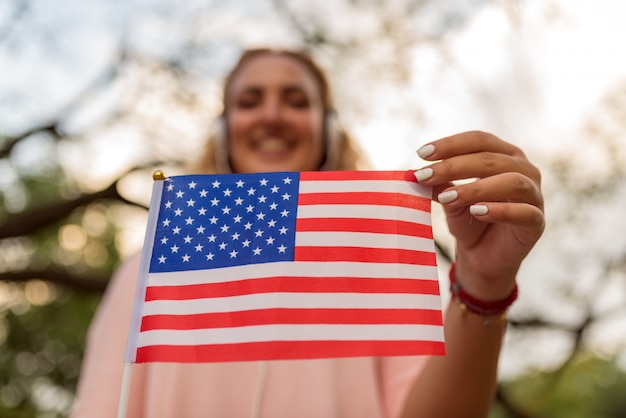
477,306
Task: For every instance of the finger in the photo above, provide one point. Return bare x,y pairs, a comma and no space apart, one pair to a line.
466,143
524,215
507,187
478,165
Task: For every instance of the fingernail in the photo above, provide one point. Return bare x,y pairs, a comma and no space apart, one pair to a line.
447,197
423,174
479,209
425,150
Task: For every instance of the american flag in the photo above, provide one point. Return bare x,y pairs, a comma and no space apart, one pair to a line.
287,265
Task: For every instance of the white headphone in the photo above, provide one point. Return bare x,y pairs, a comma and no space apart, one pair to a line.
333,139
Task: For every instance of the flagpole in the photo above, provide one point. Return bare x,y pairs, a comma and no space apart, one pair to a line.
131,345
125,390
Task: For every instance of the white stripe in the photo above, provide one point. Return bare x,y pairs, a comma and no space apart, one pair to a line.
387,186
281,332
293,300
396,213
364,240
289,268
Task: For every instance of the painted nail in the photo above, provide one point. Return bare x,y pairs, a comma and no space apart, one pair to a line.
479,209
425,150
423,174
447,197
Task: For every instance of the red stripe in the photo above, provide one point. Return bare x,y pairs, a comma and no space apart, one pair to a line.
365,255
292,316
285,350
365,198
382,226
293,284
357,175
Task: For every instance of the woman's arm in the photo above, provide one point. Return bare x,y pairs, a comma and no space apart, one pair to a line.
496,221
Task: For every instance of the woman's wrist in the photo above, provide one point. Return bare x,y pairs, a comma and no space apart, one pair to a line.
486,308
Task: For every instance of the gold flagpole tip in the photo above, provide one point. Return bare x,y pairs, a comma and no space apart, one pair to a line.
158,175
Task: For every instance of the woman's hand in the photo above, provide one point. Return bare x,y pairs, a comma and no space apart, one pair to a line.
496,219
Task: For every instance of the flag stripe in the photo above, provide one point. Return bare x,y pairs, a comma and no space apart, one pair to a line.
290,332
365,198
292,300
292,316
297,269
367,255
367,176
390,187
363,240
286,350
364,212
380,226
293,284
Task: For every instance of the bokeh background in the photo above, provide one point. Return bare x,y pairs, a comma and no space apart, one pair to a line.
95,95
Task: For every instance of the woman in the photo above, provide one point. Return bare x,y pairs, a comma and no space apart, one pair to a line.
278,116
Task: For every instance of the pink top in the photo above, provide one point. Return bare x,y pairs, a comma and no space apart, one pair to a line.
348,387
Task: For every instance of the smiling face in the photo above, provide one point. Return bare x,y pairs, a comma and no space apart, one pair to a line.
274,114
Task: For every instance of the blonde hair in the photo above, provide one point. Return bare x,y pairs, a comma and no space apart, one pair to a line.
349,158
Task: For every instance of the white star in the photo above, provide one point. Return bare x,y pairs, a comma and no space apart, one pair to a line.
286,196
249,209
214,202
226,210
251,191
269,241
256,251
199,247
189,220
239,183
200,229
168,204
287,180
174,248
223,246
203,193
170,187
187,239
190,202
246,243
180,194
176,230
283,230
209,256
178,212
248,226
224,228
262,199
213,220
216,184
271,223
192,185
164,240
233,254
162,259
273,206
237,219
186,258
274,189
212,238
258,233
238,201
166,222
235,236
260,215
201,211
284,213
282,249
263,182
227,192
